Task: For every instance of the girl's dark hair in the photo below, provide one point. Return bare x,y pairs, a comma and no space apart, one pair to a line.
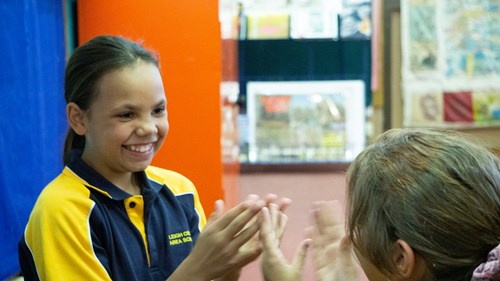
435,190
87,65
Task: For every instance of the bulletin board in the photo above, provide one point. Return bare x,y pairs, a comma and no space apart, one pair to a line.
451,63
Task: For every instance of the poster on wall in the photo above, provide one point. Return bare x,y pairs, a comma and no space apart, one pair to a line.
423,44
451,63
268,25
313,121
313,23
355,19
472,41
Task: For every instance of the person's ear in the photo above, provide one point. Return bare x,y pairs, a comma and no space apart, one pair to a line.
76,118
404,259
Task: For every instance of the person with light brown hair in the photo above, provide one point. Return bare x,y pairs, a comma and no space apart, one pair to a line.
422,204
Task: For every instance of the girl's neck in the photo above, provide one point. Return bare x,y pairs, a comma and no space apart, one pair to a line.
125,181
128,184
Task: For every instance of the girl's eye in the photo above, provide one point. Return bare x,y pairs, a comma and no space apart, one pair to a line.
159,110
126,115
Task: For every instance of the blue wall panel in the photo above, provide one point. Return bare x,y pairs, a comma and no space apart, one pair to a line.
32,119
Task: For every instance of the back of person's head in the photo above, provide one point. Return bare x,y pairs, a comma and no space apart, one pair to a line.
437,191
88,64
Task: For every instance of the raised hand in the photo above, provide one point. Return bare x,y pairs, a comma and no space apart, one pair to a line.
274,265
254,244
331,250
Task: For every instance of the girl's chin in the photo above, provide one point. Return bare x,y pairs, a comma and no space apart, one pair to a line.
139,166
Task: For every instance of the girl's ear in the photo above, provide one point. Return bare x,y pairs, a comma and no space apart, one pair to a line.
76,118
404,259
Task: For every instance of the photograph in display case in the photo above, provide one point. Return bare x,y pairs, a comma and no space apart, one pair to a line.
309,121
313,23
268,25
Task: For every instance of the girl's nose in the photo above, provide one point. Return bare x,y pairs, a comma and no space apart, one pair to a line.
147,127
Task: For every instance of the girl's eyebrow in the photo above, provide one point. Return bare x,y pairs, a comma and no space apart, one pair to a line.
124,107
130,106
161,102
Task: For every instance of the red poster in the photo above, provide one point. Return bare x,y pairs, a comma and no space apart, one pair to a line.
458,107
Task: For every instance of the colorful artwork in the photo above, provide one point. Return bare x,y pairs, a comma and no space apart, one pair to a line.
423,44
355,19
486,105
471,40
300,120
268,26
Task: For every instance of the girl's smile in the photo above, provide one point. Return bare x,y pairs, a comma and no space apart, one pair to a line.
139,148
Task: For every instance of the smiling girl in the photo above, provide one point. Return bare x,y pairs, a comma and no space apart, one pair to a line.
110,215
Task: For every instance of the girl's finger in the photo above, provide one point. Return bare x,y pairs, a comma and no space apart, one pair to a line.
273,210
282,223
240,214
267,234
245,235
300,255
284,203
236,224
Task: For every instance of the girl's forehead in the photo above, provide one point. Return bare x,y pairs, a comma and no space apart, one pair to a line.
139,82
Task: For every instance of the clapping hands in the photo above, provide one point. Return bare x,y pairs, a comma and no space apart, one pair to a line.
331,252
229,240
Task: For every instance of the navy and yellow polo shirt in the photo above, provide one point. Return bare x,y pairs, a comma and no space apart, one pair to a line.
83,227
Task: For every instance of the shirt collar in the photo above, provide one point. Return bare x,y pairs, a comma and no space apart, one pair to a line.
97,181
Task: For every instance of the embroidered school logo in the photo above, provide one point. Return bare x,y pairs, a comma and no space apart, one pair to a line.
179,238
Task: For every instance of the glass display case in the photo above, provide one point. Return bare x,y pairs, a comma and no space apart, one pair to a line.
305,121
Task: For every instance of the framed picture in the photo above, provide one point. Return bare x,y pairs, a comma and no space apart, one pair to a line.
268,25
305,121
313,23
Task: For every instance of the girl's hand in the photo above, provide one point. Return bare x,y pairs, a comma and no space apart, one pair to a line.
217,250
274,264
331,251
279,221
278,217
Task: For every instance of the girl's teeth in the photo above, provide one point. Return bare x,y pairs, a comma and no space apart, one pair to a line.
140,148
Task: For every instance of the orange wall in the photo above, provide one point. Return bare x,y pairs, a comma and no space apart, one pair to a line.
186,36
